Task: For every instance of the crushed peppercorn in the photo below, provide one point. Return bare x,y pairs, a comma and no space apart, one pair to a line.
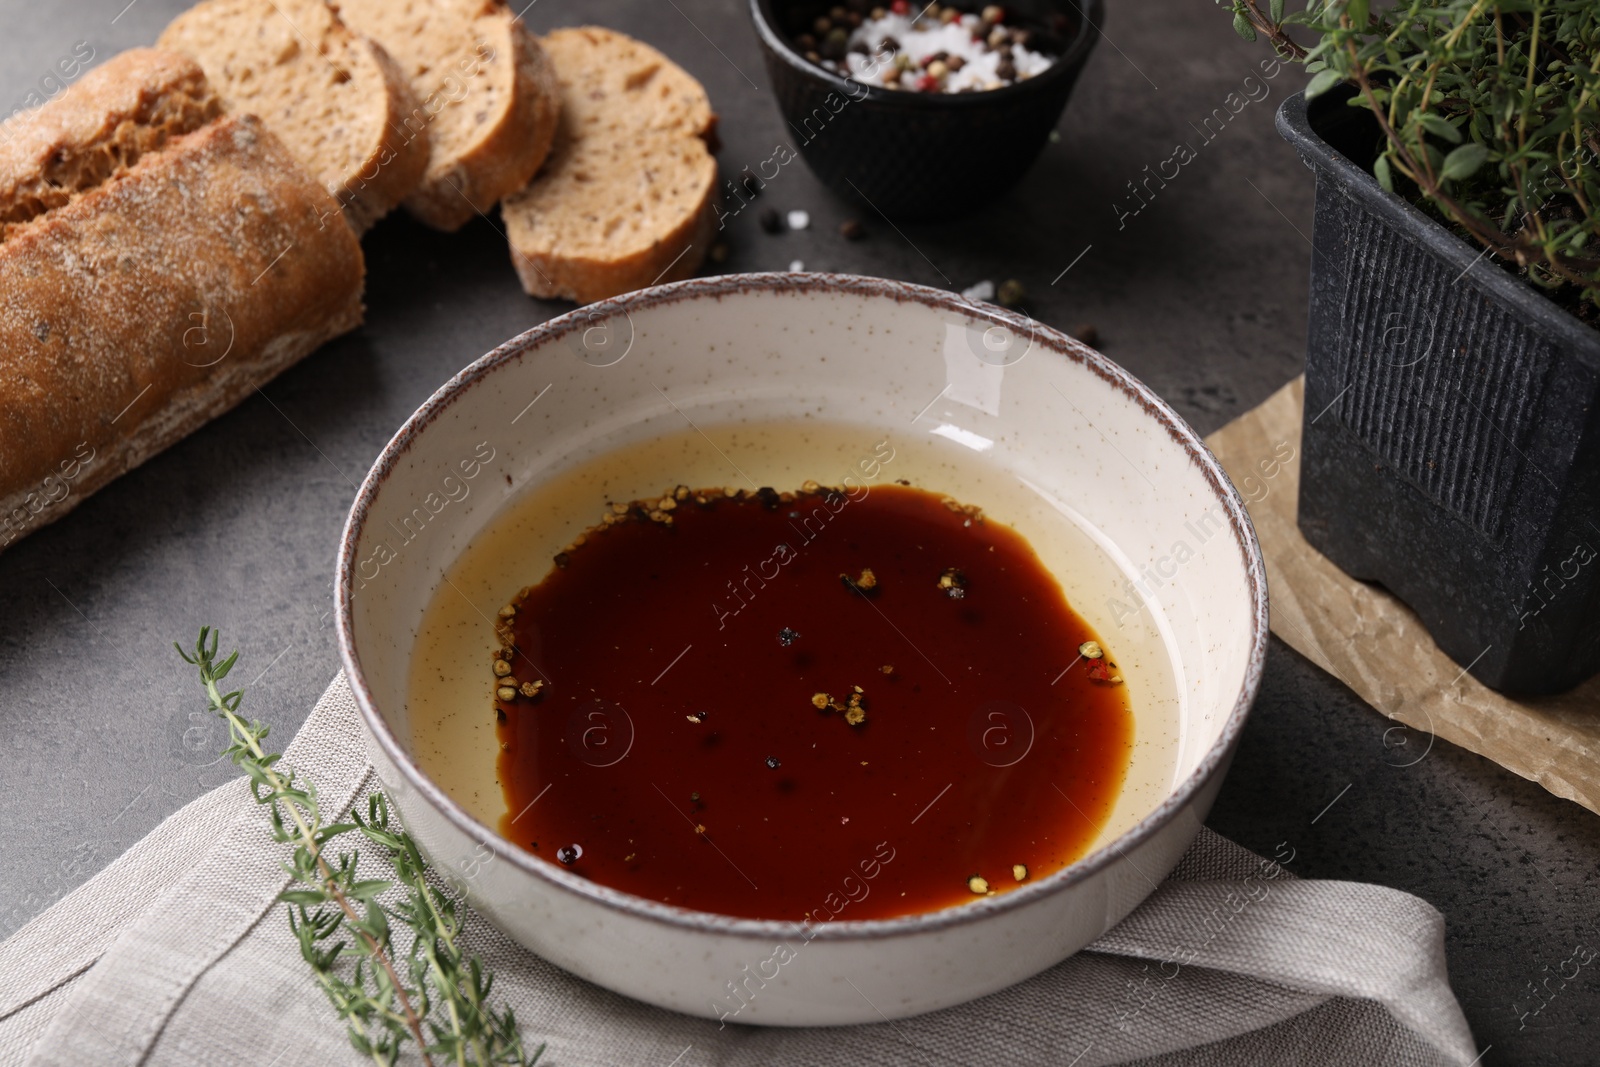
866,582
1103,670
953,583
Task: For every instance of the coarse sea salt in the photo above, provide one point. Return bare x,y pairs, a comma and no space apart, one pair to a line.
980,66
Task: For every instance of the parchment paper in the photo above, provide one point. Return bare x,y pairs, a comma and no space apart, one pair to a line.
1373,643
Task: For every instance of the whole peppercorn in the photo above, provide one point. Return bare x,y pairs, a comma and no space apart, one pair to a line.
821,26
771,221
852,230
836,44
1011,293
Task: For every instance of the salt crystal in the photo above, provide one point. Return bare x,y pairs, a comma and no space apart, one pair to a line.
797,265
980,69
984,290
799,220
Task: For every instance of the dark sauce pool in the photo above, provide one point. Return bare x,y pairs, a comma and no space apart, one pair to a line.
677,750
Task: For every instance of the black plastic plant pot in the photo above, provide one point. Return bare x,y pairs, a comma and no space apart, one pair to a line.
915,156
1452,435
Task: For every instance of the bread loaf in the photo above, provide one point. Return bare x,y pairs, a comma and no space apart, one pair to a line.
488,98
136,307
625,198
335,98
132,104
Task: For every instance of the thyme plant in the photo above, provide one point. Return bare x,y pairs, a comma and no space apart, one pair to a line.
1489,112
434,995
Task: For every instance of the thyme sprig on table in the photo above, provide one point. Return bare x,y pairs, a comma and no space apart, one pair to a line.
441,1000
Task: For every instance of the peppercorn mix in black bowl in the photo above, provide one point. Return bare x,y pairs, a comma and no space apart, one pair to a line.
920,135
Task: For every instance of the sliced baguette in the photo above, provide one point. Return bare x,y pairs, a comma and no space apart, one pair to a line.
155,300
489,98
334,97
625,198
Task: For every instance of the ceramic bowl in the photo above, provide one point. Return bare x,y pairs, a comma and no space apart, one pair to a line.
1048,434
919,156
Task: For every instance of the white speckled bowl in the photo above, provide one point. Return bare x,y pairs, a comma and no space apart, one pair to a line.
1054,421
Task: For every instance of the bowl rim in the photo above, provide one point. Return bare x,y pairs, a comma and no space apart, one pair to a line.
1178,798
1091,13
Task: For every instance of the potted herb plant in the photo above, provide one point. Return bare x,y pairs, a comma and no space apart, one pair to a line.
1452,434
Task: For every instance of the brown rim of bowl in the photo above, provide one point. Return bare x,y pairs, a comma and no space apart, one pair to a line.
1090,14
841,929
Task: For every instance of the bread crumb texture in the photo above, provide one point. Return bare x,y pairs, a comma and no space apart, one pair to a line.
487,95
625,198
337,100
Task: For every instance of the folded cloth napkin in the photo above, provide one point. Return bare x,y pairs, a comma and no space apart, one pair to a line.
177,954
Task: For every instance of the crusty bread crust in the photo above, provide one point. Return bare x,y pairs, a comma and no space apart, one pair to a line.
393,171
625,199
488,98
156,301
297,65
131,104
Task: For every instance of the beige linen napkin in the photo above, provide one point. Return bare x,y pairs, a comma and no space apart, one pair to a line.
175,954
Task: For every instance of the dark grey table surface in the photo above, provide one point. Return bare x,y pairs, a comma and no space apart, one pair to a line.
1201,294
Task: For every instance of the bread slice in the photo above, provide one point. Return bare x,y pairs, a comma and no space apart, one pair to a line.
132,104
158,298
625,198
488,92
334,97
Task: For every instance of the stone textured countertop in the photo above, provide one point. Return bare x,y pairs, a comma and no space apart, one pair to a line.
1201,292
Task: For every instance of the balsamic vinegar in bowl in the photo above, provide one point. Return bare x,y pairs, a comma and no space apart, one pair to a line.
953,723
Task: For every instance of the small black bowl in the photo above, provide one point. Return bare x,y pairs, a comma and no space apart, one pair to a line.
920,156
